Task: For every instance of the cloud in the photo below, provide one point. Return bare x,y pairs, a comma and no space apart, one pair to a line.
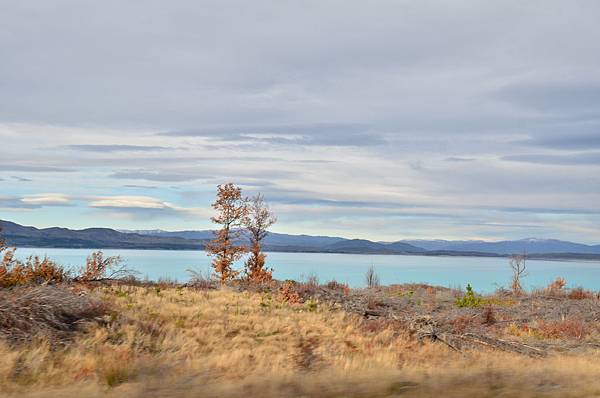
34,168
21,179
118,148
143,206
35,201
159,176
574,159
323,134
8,202
459,159
555,97
141,202
426,116
48,199
133,186
228,170
568,140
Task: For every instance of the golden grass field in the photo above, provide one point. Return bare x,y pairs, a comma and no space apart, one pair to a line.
180,342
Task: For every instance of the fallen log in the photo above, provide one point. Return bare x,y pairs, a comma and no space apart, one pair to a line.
503,345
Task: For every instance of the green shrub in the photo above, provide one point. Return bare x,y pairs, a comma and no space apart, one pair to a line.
469,299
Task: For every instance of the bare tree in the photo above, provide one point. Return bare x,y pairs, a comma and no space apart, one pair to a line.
519,270
371,278
7,256
225,248
3,246
257,221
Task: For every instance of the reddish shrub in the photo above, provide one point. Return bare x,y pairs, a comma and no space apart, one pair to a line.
461,323
488,316
571,328
335,285
579,293
288,293
556,288
98,267
34,270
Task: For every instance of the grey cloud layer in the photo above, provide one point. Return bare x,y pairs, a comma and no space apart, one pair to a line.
485,113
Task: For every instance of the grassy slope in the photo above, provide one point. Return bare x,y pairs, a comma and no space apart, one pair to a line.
180,343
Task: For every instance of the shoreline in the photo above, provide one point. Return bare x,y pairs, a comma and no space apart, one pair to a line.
558,257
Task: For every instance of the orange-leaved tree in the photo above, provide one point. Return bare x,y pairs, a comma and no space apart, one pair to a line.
225,248
257,221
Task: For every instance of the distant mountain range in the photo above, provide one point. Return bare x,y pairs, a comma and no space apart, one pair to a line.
105,238
530,245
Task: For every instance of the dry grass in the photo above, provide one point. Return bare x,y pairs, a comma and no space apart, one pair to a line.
44,311
180,342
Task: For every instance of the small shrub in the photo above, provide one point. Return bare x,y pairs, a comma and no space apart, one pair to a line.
288,293
558,284
579,293
488,316
461,323
34,270
556,288
311,304
570,328
97,268
312,281
307,288
335,285
201,280
470,299
371,278
522,331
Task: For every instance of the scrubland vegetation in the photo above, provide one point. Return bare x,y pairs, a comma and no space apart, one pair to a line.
293,339
98,331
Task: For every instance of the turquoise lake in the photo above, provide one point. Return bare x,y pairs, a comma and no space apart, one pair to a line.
485,274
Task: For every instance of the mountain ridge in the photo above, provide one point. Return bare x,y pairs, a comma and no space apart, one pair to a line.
106,238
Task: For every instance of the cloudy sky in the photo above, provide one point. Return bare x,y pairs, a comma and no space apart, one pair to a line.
382,119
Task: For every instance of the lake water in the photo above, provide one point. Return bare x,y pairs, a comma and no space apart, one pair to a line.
485,274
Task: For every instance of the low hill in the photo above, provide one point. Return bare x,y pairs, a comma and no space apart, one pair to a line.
368,247
106,238
91,238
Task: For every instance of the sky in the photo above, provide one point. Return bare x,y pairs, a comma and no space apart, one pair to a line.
383,120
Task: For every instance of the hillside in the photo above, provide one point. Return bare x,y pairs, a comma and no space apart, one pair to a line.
106,238
91,238
366,246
